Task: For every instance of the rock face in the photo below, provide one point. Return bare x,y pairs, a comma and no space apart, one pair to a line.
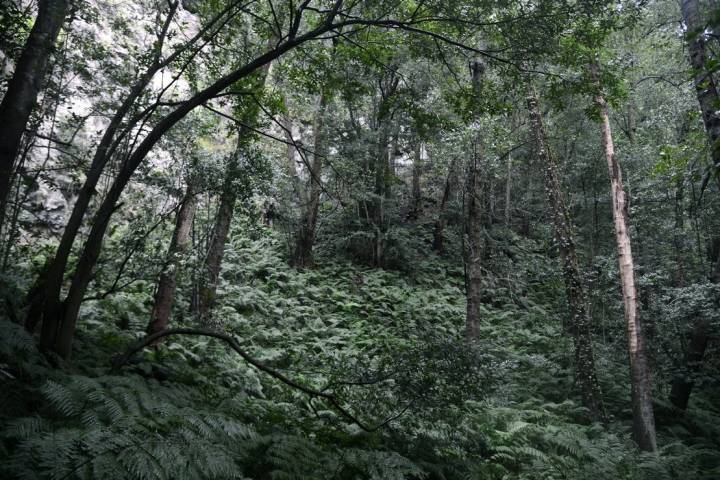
49,199
191,5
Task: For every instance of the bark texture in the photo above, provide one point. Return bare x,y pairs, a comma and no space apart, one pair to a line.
580,323
707,96
305,236
165,294
416,208
25,85
439,228
475,204
643,416
683,383
219,235
46,305
705,87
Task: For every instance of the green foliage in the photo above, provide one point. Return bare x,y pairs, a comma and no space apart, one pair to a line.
378,322
387,344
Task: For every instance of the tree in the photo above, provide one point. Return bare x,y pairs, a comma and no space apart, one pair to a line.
705,86
305,236
643,416
45,303
580,320
25,86
165,294
441,221
59,326
709,102
475,207
212,262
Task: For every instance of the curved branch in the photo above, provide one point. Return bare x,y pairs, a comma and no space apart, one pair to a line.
232,343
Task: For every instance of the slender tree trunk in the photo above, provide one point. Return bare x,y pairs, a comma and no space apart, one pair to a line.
46,303
376,207
292,151
218,238
708,100
93,244
585,372
439,228
678,234
416,209
475,204
60,339
643,416
165,295
508,190
210,277
25,85
474,242
305,237
683,383
705,87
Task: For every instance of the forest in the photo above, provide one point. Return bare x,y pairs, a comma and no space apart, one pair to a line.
360,239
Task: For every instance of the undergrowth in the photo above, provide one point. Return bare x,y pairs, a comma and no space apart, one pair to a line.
387,343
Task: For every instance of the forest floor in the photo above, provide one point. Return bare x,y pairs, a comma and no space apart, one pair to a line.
387,344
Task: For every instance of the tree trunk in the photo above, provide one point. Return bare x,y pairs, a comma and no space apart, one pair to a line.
46,303
678,234
380,192
305,237
585,372
683,383
475,201
93,244
210,278
25,85
707,96
165,295
705,87
219,235
643,416
439,228
416,209
508,190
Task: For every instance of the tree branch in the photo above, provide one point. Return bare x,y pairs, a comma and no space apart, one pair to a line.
121,360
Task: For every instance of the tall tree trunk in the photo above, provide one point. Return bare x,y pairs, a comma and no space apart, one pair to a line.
93,244
708,99
305,236
643,416
25,85
380,193
585,372
165,295
705,87
210,277
683,383
678,233
416,209
292,151
508,190
475,204
438,230
46,302
221,228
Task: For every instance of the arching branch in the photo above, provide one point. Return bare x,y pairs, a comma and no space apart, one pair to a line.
330,398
